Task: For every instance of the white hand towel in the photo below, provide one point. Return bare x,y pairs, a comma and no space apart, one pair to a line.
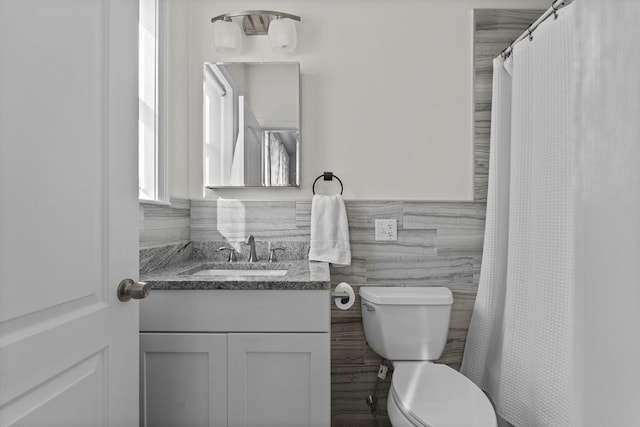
329,230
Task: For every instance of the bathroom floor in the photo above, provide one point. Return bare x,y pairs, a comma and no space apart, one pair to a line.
365,421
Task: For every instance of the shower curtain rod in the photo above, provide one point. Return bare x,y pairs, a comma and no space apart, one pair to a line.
556,5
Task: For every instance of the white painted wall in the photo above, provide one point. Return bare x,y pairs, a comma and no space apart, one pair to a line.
386,94
178,99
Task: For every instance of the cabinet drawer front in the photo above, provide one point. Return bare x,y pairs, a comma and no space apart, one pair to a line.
235,311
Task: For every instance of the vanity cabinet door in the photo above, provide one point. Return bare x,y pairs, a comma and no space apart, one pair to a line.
183,379
279,380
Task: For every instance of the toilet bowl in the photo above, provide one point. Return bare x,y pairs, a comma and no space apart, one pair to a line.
431,394
409,326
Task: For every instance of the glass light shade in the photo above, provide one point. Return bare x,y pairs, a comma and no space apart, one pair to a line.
282,35
227,37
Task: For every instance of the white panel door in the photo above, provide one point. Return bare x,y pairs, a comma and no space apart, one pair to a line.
279,380
68,212
184,380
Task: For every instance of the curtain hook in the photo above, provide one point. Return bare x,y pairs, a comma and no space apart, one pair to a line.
530,34
507,50
555,10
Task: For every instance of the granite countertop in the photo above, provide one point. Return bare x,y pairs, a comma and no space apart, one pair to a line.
301,275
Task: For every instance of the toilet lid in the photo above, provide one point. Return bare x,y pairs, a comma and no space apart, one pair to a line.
437,395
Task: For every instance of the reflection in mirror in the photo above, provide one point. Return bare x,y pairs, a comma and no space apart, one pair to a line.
251,124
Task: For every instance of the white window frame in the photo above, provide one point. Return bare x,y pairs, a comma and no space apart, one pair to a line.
153,175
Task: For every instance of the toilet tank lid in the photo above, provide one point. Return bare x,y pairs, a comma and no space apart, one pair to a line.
401,295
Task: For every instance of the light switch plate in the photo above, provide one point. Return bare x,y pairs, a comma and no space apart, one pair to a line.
386,229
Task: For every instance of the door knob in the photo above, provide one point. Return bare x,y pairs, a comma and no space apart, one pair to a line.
128,289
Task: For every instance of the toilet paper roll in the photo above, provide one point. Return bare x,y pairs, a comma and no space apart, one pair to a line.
345,287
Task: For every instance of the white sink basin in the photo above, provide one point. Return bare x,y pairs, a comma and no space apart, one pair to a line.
244,269
239,272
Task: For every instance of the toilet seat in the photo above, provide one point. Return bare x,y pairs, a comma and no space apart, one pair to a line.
435,395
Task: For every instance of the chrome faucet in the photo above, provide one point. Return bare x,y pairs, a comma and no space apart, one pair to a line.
272,252
232,253
252,253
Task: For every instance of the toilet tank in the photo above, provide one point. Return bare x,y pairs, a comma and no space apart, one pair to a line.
406,323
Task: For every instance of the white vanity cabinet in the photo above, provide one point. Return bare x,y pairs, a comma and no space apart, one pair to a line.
235,358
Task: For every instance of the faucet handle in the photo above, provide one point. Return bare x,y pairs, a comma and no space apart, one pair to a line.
272,253
232,253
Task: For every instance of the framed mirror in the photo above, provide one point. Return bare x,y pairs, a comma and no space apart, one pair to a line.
251,124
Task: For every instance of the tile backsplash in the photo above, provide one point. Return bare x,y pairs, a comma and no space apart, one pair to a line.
164,234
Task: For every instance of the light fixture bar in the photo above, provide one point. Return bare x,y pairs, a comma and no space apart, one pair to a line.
270,13
279,26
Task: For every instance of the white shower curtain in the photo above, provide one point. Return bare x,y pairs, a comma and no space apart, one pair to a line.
525,341
608,213
278,160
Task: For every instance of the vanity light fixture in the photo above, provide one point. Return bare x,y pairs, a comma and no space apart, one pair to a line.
227,36
279,27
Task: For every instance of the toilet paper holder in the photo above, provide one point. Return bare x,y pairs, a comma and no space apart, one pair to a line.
343,295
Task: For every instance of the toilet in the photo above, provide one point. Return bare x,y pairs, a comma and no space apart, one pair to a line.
409,327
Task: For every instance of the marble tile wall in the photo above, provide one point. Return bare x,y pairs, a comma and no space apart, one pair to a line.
439,244
494,29
164,234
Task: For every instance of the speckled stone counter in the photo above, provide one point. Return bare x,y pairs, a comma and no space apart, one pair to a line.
301,275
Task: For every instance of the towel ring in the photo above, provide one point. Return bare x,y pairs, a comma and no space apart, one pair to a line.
328,176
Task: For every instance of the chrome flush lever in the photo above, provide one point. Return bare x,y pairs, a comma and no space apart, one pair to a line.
369,307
